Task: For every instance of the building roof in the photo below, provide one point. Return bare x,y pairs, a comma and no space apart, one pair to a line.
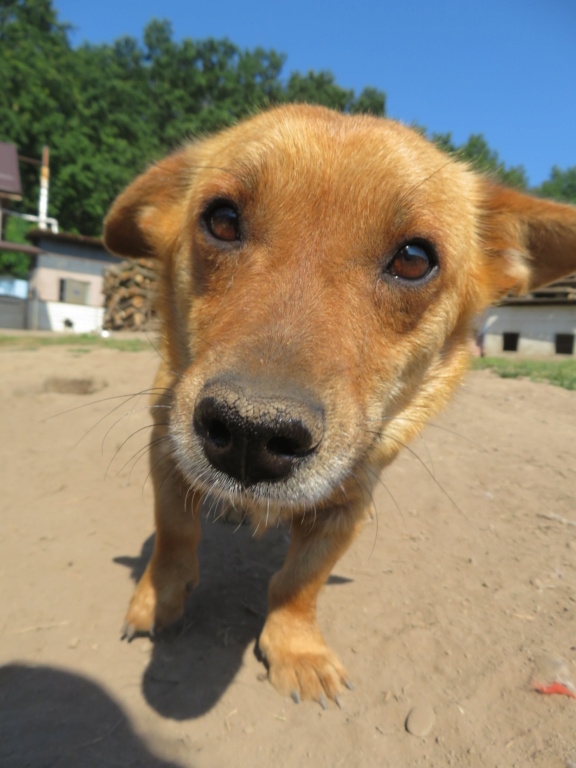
19,247
35,235
71,246
560,292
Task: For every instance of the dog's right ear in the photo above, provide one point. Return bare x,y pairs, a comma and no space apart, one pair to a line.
529,242
144,219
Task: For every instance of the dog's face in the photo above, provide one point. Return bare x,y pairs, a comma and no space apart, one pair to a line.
319,276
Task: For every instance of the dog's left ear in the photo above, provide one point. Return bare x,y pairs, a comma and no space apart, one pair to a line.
146,216
528,242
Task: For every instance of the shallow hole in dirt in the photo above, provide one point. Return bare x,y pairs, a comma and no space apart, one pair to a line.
65,386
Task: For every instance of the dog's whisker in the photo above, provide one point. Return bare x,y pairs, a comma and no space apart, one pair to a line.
377,478
365,490
433,477
130,413
410,191
189,491
156,349
408,449
430,459
157,463
138,455
167,475
122,444
424,423
127,397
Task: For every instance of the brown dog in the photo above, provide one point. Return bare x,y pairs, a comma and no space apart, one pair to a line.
319,275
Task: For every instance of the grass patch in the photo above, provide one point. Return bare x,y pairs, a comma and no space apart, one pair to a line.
81,342
562,373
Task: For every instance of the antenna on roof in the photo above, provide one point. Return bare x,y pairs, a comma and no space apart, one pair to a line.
44,183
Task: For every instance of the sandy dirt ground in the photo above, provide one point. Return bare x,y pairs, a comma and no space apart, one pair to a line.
457,594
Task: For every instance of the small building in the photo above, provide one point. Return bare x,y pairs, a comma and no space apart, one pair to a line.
542,324
66,281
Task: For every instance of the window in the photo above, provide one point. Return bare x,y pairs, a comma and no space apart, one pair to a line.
510,342
74,291
564,343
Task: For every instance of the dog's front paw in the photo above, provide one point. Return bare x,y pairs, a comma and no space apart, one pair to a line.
299,662
158,601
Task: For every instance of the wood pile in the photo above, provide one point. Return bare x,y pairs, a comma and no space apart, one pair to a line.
129,296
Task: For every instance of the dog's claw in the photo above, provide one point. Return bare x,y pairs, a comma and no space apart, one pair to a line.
295,696
322,701
338,700
349,684
127,632
131,633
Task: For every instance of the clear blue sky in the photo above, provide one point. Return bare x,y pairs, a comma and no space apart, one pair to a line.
504,68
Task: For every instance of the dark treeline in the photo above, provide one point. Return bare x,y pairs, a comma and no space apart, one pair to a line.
107,111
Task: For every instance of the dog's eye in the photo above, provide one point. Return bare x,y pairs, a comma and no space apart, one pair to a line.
413,262
223,222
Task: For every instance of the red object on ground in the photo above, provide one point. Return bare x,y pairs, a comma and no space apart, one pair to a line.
554,688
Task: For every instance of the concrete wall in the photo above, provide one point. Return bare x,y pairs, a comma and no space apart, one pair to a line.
537,326
12,312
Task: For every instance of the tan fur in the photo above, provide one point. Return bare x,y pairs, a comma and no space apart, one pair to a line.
299,318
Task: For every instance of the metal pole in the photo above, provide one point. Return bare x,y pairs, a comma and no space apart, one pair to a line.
44,180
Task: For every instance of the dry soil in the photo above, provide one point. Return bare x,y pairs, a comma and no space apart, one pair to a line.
456,591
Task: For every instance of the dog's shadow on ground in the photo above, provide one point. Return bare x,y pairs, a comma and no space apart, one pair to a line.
195,661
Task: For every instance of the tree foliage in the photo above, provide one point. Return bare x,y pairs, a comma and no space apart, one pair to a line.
477,152
560,186
15,263
107,111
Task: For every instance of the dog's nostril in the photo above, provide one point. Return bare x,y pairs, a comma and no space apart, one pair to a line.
285,446
217,432
211,425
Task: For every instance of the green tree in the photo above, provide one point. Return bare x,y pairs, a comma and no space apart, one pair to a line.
199,86
318,88
36,95
478,153
15,263
370,101
106,111
321,88
560,186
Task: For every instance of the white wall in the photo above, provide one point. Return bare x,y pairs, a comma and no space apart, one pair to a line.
536,324
50,316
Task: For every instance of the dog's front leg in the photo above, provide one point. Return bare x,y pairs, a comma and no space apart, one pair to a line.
300,664
173,568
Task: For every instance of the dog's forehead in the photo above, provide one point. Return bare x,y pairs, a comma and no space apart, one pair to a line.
296,149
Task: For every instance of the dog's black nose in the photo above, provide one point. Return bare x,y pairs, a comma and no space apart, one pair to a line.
254,438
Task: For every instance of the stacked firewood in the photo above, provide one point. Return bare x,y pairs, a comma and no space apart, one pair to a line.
129,293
